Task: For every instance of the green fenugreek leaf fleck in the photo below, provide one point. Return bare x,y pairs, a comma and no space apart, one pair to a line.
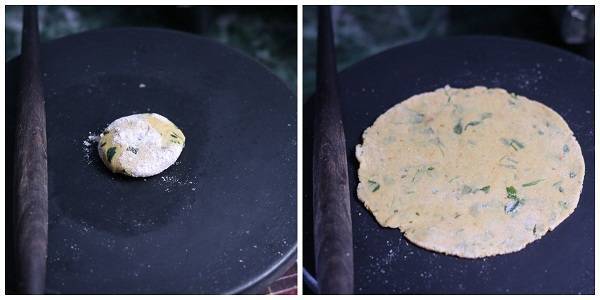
511,192
472,123
572,174
458,129
515,202
132,149
110,153
532,183
466,189
565,148
485,189
373,185
513,143
519,144
558,186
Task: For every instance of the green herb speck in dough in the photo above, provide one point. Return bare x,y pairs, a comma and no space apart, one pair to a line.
458,129
374,186
515,202
456,177
456,215
132,149
563,204
430,169
558,185
469,190
486,115
534,228
448,95
532,183
508,162
103,144
110,153
466,189
472,123
572,174
565,148
511,192
512,160
513,143
417,213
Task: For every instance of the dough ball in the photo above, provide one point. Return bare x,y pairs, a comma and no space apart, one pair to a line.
140,145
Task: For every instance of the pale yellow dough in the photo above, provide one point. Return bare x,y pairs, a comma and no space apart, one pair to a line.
444,166
140,145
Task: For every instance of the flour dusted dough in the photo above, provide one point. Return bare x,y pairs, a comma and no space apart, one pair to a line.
140,145
470,172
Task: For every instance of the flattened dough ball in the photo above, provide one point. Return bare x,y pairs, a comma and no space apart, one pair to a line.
140,145
470,172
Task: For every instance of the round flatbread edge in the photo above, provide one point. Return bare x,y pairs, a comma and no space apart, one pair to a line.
493,221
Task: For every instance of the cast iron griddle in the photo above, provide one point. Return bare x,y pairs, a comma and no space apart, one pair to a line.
385,262
221,220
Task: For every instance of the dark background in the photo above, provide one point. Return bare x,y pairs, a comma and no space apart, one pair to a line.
266,33
361,31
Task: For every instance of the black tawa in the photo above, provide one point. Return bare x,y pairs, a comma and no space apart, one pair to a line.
562,262
221,220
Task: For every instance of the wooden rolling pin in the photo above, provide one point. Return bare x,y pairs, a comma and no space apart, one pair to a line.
31,167
331,196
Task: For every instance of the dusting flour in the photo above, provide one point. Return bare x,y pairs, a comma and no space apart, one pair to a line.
88,142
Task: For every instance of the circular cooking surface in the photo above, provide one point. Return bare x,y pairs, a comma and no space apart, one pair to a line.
221,220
